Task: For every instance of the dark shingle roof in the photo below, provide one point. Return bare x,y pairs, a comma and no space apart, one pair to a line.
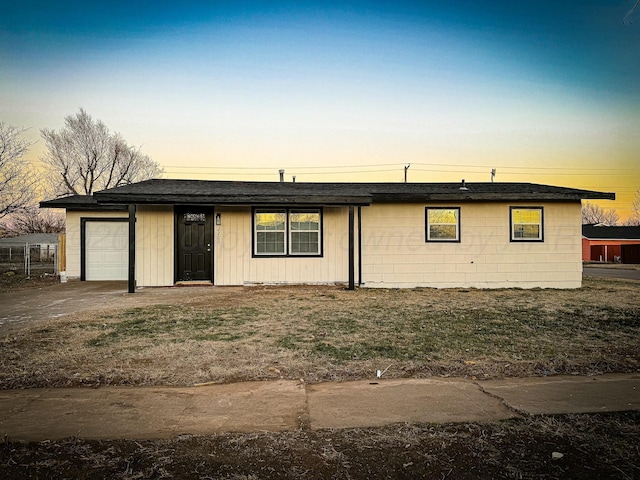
161,191
79,202
604,232
190,191
229,192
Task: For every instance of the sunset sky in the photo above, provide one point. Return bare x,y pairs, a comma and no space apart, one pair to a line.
542,91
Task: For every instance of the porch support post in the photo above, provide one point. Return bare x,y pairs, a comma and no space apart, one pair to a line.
359,246
351,250
132,248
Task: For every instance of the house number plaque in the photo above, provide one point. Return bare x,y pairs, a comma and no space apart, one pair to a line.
194,217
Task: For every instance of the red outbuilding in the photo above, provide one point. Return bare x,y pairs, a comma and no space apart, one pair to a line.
602,243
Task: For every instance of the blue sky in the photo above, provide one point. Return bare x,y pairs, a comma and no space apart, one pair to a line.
543,91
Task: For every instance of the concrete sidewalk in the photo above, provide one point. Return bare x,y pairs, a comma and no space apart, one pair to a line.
164,412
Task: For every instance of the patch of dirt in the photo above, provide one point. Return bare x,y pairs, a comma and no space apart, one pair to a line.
549,447
10,282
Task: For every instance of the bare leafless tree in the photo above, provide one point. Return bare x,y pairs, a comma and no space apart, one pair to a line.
592,214
17,176
634,219
32,220
85,157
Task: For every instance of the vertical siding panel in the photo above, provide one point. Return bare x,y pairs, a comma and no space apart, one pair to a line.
224,247
143,253
242,253
157,268
230,260
230,248
149,243
142,250
246,236
156,253
218,257
155,246
168,235
329,251
73,244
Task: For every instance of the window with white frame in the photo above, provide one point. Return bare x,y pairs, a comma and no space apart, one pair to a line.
287,232
443,224
527,224
304,232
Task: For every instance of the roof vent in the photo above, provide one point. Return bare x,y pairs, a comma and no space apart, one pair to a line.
463,187
281,172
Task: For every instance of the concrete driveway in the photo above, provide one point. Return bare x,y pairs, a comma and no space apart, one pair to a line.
26,307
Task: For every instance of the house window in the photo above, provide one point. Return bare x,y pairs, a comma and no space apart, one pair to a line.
270,232
284,232
527,224
443,224
304,232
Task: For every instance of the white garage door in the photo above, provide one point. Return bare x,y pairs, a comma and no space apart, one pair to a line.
107,250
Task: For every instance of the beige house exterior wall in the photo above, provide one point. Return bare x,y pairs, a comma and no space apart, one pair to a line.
235,265
154,245
73,236
395,253
394,250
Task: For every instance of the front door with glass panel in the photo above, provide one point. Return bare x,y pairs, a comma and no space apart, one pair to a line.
194,246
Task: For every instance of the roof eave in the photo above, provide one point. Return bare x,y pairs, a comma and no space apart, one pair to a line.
612,239
492,197
75,202
174,199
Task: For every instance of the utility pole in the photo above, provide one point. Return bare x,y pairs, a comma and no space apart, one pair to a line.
406,167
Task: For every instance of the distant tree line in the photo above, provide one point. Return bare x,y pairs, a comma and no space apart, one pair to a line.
594,214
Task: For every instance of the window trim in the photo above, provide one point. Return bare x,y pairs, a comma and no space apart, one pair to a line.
512,237
287,232
291,231
427,238
255,232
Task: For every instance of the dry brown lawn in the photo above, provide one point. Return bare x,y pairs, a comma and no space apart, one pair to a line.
328,333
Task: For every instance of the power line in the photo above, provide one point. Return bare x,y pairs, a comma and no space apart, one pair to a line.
297,171
286,167
230,171
450,168
527,167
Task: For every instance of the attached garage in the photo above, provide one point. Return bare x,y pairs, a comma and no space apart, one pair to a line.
105,249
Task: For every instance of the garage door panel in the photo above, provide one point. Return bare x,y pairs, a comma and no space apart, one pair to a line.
106,250
113,257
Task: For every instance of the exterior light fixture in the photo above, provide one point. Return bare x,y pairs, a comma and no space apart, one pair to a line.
218,219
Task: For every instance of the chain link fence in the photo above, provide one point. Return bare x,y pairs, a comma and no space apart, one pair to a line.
31,259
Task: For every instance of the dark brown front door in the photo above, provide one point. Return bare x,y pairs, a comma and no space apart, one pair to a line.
194,257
